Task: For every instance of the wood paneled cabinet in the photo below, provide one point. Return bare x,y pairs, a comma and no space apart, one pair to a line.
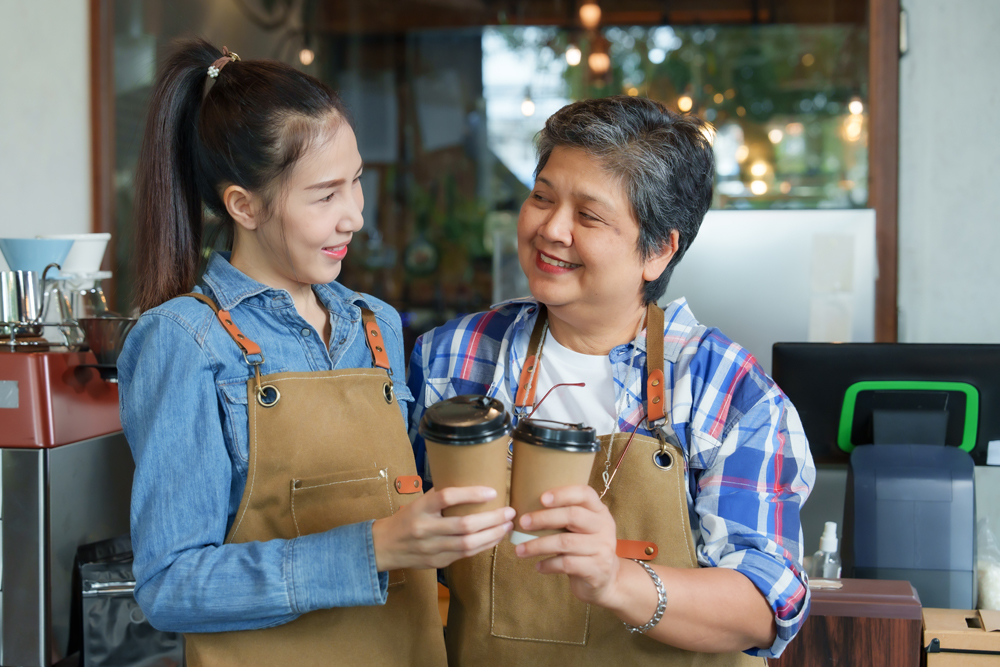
867,623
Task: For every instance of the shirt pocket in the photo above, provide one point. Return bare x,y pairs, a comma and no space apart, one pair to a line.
439,389
236,422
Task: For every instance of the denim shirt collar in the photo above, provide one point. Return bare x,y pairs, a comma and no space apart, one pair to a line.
231,287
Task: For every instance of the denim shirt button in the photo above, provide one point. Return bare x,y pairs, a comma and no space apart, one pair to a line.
306,332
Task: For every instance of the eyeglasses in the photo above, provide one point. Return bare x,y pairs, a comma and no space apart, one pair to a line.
552,389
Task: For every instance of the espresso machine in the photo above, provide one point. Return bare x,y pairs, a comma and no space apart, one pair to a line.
65,467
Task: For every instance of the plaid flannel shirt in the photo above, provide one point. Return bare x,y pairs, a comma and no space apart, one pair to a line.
748,465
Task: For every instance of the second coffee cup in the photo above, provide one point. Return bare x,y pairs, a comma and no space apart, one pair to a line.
467,438
547,455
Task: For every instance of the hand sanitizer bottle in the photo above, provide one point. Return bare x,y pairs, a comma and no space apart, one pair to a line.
826,561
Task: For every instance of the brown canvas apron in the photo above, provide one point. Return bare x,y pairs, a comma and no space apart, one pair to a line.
327,449
503,612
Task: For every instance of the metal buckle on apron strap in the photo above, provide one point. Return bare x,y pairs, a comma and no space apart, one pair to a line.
262,391
663,458
247,347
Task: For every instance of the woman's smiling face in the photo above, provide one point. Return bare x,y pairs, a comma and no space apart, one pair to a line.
320,211
577,238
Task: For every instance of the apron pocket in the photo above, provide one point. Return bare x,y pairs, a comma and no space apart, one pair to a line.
531,606
340,499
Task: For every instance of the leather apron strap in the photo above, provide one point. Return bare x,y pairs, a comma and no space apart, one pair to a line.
373,335
655,405
329,450
247,346
526,383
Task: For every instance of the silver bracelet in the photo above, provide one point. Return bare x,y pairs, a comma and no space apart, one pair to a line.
661,605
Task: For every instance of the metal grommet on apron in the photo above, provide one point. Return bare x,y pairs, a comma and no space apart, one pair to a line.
298,485
265,394
503,612
663,460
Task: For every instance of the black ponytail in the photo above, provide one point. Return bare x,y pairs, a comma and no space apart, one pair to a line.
249,130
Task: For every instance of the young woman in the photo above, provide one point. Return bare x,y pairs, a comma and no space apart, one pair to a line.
685,548
276,513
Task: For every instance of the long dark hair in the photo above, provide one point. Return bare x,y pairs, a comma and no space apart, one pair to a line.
255,122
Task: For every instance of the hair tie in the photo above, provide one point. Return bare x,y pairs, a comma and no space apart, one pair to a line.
216,67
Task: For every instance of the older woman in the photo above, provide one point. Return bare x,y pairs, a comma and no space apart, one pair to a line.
691,555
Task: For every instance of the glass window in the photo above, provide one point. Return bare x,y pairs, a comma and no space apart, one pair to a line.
448,97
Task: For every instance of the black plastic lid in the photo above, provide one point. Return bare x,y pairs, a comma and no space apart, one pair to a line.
465,420
557,435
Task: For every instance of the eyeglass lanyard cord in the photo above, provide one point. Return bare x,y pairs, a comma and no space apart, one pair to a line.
608,475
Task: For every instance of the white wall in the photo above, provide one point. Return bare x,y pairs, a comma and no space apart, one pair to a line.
45,161
949,204
949,199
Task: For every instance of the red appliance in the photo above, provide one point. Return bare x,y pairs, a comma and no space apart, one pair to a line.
66,481
60,400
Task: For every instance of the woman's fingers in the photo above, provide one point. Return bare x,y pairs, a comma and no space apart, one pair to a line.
575,508
451,548
562,543
473,523
574,566
581,494
439,499
575,518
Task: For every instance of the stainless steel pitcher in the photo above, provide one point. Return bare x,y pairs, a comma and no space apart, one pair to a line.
22,299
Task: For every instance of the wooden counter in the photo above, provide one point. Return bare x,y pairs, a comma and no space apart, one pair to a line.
867,623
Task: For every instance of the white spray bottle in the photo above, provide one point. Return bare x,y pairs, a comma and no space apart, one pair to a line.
826,561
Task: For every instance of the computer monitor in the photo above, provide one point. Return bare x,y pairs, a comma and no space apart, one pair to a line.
853,394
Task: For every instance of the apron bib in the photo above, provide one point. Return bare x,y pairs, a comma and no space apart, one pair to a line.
503,612
327,449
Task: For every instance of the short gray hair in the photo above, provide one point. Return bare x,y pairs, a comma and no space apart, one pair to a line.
663,159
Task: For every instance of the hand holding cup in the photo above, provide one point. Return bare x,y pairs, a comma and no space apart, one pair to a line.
467,444
547,455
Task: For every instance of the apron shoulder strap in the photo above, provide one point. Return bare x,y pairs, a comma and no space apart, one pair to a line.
526,384
655,404
247,346
373,338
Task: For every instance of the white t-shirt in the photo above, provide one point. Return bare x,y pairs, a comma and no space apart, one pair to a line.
593,405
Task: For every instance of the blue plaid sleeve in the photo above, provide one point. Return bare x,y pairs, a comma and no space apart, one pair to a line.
748,501
415,382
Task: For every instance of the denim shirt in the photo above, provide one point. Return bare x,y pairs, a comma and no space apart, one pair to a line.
183,393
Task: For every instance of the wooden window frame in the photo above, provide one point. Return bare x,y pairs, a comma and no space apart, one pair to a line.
883,166
102,131
883,159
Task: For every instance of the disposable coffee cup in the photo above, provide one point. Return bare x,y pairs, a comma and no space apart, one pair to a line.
467,438
547,455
